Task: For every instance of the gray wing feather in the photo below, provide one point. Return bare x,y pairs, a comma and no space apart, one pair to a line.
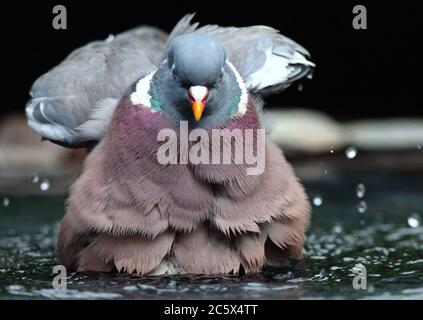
267,60
184,25
68,96
72,104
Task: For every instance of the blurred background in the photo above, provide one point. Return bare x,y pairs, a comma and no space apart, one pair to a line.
360,73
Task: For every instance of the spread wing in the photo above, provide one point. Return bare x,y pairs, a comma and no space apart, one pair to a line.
268,61
72,103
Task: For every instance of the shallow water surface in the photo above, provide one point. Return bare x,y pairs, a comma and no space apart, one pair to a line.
377,225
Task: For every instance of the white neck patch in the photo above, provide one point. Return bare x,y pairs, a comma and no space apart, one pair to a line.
141,96
243,101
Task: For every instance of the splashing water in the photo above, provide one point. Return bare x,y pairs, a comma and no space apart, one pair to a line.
339,238
362,207
317,201
351,152
45,185
360,190
337,229
414,220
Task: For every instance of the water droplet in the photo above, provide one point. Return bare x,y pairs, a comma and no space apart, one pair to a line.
310,76
351,152
317,201
45,185
414,220
300,87
334,268
360,190
35,179
337,228
362,207
6,202
419,147
326,172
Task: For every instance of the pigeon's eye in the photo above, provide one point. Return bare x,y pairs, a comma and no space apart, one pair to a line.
172,71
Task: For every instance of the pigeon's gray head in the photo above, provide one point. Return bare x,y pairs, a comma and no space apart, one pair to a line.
196,83
197,59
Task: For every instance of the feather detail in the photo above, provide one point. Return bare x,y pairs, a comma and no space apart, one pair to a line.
133,254
205,251
251,250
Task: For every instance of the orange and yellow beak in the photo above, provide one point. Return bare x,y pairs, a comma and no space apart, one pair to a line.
197,109
198,96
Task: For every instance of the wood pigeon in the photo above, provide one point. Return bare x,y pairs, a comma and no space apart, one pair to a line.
129,213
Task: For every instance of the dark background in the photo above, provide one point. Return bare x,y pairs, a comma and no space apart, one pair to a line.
360,73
